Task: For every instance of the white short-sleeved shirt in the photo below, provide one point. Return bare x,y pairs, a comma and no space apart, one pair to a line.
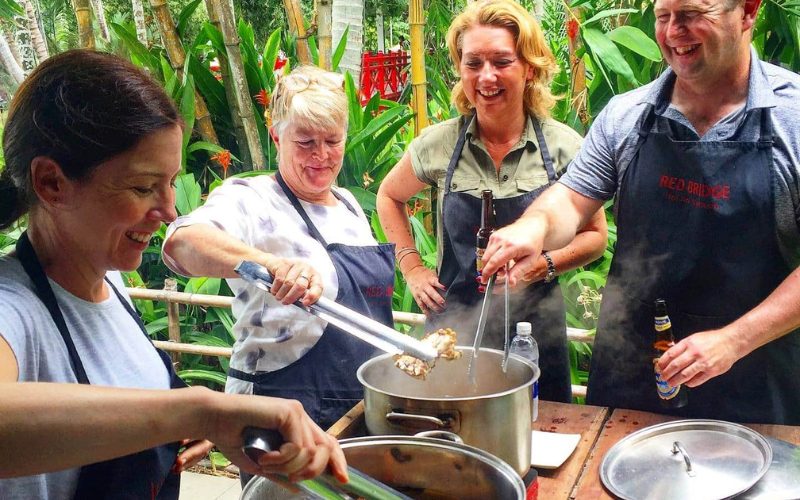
256,211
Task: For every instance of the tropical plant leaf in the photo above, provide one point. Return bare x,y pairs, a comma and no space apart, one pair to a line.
139,53
203,286
270,55
637,41
185,15
607,13
338,52
186,108
187,193
203,375
607,55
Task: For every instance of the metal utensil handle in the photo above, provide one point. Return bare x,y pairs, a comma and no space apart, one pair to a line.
444,435
385,338
476,345
507,344
677,447
397,416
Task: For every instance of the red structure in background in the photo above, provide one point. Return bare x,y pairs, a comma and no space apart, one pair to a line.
384,74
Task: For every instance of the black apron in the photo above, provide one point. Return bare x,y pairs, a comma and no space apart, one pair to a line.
142,475
324,379
541,304
696,226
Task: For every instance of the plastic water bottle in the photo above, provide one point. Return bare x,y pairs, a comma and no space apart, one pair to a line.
524,346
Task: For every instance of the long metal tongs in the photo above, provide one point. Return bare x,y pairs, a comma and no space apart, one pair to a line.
349,321
507,344
476,345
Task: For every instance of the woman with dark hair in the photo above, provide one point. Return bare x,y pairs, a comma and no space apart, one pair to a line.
92,148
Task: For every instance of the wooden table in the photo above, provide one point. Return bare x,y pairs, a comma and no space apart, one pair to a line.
579,477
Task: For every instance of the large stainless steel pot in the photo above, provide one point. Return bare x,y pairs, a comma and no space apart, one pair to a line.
493,415
422,468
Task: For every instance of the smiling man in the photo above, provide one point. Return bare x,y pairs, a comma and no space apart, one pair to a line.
704,166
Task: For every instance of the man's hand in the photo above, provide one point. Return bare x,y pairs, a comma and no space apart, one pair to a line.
520,241
699,358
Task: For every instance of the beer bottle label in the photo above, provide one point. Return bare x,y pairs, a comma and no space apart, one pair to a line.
663,323
665,391
479,258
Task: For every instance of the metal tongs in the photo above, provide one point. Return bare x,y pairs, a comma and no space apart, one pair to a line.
349,321
482,327
326,487
476,345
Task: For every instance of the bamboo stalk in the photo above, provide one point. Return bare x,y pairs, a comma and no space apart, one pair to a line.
138,20
177,58
37,37
83,14
10,63
297,27
194,299
100,15
213,7
324,22
203,350
243,102
173,318
418,80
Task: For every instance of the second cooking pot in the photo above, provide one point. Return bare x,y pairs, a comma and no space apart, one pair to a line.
420,467
493,415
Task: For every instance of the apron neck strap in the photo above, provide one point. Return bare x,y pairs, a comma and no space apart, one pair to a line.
295,201
462,136
767,135
33,267
546,158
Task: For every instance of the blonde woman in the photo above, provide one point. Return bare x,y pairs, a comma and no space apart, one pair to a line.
313,238
504,141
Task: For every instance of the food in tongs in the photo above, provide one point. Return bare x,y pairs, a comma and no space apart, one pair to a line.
443,340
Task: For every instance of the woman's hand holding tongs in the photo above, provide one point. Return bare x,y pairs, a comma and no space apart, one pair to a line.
294,279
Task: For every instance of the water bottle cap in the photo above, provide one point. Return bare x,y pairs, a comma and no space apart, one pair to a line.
524,328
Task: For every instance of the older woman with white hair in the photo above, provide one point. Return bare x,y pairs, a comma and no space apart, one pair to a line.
287,222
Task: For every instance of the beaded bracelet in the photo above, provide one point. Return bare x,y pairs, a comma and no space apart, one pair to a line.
551,268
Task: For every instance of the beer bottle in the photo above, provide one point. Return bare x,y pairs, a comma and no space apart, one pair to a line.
670,397
486,229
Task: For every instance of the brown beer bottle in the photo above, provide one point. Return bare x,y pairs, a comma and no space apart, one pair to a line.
486,229
670,397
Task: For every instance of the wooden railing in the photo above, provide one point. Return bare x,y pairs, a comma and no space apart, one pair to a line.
175,347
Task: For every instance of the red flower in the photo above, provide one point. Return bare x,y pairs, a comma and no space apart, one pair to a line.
224,160
262,98
572,29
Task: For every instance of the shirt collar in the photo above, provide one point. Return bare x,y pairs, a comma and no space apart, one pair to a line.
528,134
759,95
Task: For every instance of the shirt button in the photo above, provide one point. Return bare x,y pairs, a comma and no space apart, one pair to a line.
505,177
454,185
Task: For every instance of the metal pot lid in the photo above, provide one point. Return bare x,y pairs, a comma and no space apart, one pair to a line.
711,460
782,480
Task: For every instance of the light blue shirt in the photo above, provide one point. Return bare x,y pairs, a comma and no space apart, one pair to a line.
611,143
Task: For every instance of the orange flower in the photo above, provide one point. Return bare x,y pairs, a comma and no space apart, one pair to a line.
572,29
262,98
224,160
412,210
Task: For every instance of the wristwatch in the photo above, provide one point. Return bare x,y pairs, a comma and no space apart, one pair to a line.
551,268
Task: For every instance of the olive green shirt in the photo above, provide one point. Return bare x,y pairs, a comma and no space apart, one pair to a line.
521,171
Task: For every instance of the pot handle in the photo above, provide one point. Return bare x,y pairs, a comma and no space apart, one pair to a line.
445,435
393,416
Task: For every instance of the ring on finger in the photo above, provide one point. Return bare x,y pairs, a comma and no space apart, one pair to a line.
303,276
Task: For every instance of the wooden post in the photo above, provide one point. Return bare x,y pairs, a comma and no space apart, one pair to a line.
173,319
